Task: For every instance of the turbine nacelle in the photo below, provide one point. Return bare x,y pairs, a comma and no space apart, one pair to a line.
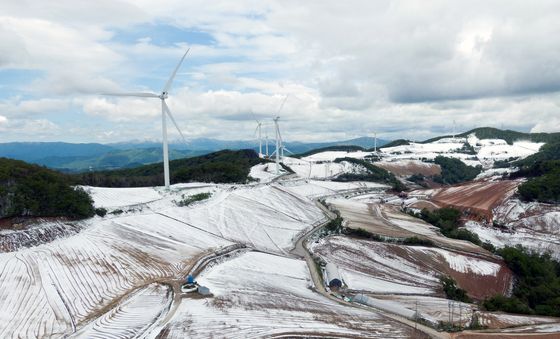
164,95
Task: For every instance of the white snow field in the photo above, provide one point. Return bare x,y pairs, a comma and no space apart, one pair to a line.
131,318
535,241
263,172
486,152
43,290
258,295
46,289
398,269
323,168
265,217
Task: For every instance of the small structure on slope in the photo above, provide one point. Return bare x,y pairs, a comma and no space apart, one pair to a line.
203,290
334,279
190,285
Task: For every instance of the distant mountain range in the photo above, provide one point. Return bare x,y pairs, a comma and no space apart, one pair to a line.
72,157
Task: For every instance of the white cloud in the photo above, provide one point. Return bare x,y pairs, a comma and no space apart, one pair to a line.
404,69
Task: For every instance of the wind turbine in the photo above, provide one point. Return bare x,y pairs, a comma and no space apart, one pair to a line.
278,144
258,131
164,112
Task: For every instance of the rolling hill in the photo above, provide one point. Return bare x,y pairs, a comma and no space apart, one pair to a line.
69,157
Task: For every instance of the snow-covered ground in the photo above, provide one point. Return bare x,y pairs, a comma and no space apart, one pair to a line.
260,295
535,241
401,159
263,172
133,317
321,169
44,289
397,269
332,155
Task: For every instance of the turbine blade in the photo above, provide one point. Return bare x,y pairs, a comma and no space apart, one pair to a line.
173,119
256,130
141,95
287,150
170,81
282,105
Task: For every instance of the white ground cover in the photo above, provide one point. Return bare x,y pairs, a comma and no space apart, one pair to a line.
263,172
266,217
433,307
535,241
261,295
377,271
46,288
382,270
319,188
464,264
133,317
332,155
74,279
320,170
116,197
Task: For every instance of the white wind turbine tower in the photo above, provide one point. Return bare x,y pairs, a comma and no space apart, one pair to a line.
164,112
259,130
279,145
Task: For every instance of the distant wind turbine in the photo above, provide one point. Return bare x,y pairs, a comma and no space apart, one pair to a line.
258,129
164,111
279,144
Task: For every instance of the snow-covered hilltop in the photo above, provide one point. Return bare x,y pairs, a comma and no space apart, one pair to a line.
265,251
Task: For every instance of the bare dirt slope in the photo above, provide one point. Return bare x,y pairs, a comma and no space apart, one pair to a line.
406,168
399,269
478,197
387,220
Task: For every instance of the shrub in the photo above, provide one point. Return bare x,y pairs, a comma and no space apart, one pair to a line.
452,291
187,200
415,241
100,212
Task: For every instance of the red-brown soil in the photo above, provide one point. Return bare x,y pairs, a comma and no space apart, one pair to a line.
476,197
406,168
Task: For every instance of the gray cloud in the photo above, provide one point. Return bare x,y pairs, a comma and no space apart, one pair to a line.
404,69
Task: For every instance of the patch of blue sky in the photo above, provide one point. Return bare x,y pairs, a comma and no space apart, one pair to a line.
162,35
14,81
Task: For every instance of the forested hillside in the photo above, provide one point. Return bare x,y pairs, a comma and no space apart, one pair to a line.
543,171
219,167
32,191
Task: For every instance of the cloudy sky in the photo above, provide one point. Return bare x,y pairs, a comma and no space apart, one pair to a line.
401,68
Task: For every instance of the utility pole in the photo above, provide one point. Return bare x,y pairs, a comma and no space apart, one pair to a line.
449,311
416,317
452,313
461,315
